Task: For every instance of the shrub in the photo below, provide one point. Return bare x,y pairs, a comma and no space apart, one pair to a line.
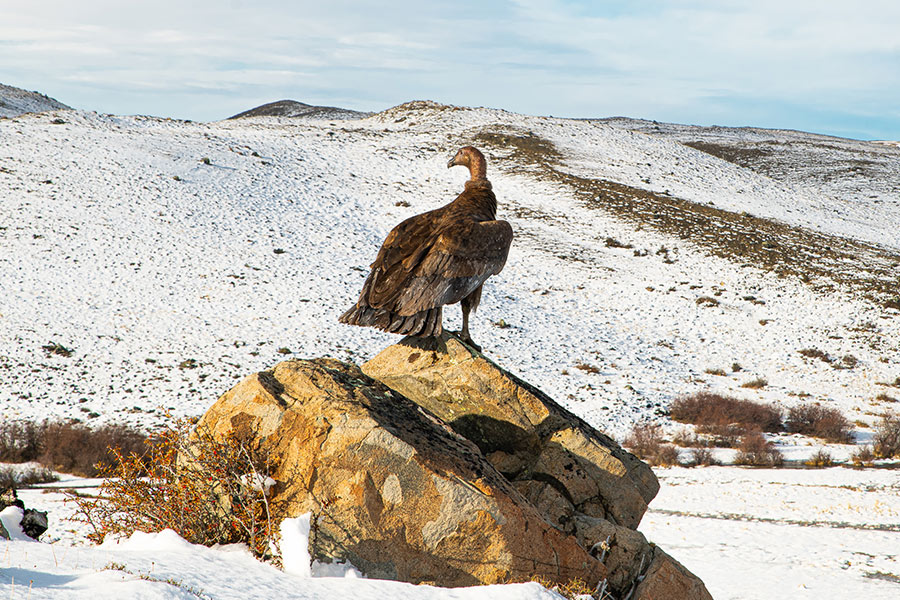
756,451
667,456
819,421
886,440
81,450
208,491
755,384
709,410
863,456
686,439
704,457
69,447
11,477
822,458
20,441
645,440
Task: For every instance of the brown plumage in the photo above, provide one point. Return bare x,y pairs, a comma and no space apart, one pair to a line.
439,257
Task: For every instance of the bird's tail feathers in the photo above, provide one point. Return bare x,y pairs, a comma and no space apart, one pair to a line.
422,324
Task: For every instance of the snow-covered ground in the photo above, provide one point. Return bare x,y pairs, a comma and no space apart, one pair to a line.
750,534
173,258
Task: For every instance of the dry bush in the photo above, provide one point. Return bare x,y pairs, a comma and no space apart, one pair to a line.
20,441
646,442
755,384
886,441
822,458
863,456
709,410
702,457
686,439
188,481
82,450
667,456
819,421
15,478
756,451
69,447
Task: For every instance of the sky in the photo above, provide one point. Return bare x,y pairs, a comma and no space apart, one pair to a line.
813,65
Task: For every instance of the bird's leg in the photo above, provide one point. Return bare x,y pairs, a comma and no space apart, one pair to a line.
466,304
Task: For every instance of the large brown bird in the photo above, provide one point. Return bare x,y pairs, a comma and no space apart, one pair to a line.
439,257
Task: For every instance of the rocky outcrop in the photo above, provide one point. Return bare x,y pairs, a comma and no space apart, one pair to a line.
392,489
433,464
536,443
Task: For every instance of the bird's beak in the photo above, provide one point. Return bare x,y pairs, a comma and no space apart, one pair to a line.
452,162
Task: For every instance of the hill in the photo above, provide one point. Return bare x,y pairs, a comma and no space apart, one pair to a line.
167,276
146,264
15,101
292,108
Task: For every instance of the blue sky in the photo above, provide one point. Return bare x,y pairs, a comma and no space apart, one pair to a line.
822,66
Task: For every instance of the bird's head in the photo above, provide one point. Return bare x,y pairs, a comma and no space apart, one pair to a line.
471,157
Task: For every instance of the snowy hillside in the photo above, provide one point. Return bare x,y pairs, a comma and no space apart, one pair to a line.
292,108
172,258
15,101
148,264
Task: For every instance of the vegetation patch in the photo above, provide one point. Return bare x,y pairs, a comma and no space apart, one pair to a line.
825,262
68,447
756,451
886,439
818,421
711,412
646,442
208,491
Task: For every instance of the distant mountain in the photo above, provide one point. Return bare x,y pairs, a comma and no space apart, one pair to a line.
15,101
292,108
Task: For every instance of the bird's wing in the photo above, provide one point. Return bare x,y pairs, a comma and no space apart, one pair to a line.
402,250
460,259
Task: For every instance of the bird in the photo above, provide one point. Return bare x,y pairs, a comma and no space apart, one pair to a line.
436,258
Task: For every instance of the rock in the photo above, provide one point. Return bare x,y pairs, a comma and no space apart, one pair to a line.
34,522
522,431
392,489
579,479
667,578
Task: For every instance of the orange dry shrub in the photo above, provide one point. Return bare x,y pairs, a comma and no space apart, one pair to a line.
188,481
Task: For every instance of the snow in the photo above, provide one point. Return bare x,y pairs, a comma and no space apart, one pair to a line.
171,277
168,291
294,543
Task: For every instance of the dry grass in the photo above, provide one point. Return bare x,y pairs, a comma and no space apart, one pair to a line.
821,459
755,384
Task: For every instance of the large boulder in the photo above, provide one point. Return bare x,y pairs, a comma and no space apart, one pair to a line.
581,480
392,489
555,459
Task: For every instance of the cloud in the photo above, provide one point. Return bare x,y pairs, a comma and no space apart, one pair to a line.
690,59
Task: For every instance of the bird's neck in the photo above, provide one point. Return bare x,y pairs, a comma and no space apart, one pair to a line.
477,169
